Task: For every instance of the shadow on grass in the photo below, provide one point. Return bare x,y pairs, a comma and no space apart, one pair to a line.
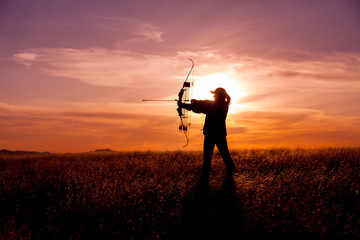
212,214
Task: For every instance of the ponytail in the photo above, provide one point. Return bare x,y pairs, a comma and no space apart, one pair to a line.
227,99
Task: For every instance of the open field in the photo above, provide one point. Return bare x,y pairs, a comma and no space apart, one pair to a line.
163,195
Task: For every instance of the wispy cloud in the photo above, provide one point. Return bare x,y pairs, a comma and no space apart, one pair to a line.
325,77
130,29
26,58
337,67
98,66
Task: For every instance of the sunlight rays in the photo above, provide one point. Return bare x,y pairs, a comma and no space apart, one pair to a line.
204,84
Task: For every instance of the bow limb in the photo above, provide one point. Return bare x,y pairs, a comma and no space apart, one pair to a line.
192,67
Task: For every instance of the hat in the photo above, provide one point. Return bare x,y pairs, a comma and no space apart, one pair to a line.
219,91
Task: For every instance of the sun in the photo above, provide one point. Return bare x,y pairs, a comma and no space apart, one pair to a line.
203,85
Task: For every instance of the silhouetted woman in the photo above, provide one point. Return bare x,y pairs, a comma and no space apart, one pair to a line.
215,127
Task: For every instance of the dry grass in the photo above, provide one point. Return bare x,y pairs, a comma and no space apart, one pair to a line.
163,195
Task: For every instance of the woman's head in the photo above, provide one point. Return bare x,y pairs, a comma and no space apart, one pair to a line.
220,94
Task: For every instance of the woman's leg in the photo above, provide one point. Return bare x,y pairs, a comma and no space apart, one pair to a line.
209,145
222,145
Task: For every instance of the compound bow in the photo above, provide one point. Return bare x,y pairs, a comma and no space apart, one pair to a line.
183,97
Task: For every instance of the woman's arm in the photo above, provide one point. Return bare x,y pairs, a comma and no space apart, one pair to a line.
198,106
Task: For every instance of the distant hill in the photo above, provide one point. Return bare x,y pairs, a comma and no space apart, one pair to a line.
104,150
8,152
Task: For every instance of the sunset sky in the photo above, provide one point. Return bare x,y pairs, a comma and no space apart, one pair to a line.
73,73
